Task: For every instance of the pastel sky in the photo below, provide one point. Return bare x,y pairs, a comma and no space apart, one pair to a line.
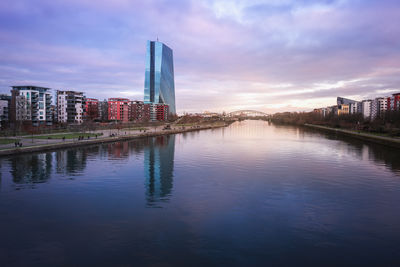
268,55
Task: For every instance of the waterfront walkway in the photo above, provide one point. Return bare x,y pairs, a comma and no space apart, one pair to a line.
33,144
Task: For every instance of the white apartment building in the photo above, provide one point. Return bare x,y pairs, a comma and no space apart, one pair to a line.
378,107
366,108
70,107
31,103
354,107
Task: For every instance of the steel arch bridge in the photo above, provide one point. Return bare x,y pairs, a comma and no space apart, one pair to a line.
247,113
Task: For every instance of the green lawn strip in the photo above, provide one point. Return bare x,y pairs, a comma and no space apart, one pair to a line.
67,136
5,141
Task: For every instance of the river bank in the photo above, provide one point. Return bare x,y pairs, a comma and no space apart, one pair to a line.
60,144
383,140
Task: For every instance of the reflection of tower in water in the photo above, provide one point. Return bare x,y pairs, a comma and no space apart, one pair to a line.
159,167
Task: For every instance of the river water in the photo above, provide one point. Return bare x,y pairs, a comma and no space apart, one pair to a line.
249,194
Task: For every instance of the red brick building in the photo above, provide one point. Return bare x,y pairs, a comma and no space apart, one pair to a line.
396,101
136,111
141,112
91,109
118,109
162,112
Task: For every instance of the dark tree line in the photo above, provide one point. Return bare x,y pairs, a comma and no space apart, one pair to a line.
386,123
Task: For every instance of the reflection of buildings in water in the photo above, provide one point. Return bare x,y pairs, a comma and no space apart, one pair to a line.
121,150
364,150
159,166
35,168
137,146
118,150
71,161
380,153
1,181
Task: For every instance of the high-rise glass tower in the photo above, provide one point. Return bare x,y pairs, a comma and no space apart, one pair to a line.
159,85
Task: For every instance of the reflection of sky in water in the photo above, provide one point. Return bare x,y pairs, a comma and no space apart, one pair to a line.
245,194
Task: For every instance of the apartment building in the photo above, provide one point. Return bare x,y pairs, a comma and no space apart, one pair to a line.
70,107
378,107
103,110
366,108
91,109
5,102
118,109
137,111
31,104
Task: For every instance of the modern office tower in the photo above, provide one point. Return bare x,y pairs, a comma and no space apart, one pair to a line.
366,106
91,109
70,107
118,109
31,104
159,86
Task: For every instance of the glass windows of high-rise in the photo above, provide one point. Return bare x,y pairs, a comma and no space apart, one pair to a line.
159,85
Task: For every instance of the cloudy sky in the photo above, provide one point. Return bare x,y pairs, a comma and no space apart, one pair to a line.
268,55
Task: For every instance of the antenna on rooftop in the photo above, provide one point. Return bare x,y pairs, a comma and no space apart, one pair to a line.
157,38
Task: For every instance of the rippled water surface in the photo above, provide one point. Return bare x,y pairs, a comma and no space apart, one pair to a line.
249,194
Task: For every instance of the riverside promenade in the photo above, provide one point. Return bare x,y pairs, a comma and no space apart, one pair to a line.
33,144
383,140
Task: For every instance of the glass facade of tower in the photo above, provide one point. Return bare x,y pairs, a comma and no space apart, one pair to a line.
159,85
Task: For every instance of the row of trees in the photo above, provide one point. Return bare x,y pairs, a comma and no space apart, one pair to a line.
386,123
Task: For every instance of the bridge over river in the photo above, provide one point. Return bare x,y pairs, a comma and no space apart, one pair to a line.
247,113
